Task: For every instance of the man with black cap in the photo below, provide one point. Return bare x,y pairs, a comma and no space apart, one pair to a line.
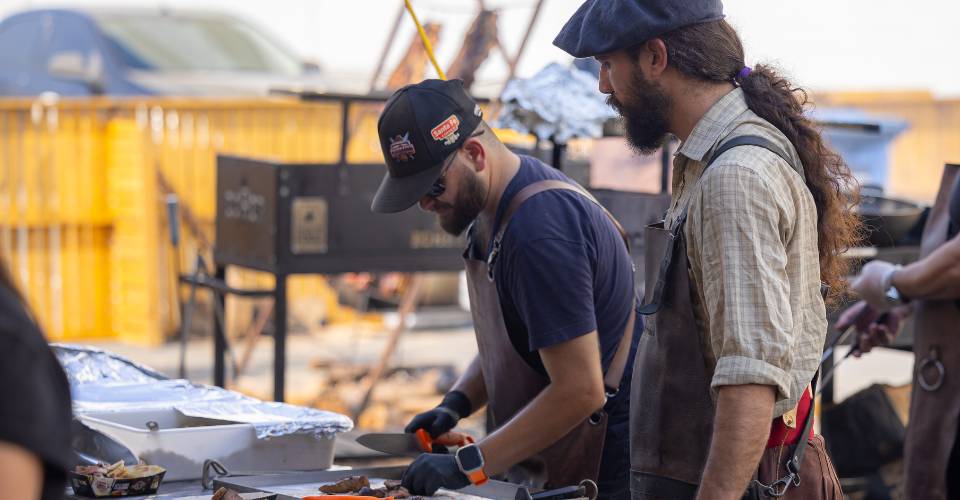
724,374
551,293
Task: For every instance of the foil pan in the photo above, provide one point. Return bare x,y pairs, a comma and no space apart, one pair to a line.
88,365
272,419
558,103
102,381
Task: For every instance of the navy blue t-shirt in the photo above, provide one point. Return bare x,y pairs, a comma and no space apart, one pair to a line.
563,269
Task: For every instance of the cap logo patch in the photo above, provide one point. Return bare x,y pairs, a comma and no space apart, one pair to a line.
477,111
446,131
401,149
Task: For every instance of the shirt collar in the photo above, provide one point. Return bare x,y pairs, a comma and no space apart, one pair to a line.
707,132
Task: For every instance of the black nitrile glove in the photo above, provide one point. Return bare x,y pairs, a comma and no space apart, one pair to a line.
455,405
430,472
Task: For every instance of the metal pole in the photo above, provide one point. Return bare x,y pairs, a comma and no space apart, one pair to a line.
219,334
557,154
499,46
279,336
186,317
386,47
426,40
523,43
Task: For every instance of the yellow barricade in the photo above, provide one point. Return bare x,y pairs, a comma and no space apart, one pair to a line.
82,185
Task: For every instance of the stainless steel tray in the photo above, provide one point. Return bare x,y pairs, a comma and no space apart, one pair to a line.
284,484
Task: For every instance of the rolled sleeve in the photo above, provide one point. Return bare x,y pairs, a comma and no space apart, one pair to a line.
740,370
739,244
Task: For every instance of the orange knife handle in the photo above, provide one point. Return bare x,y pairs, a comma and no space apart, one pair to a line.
454,439
425,441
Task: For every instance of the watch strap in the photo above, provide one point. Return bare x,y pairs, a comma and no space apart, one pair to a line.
476,476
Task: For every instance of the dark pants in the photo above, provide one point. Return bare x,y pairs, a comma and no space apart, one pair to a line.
614,480
953,470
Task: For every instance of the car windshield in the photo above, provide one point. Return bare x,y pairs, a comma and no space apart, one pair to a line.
163,42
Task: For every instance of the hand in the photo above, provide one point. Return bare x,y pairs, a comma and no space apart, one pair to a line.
873,327
870,284
444,417
430,472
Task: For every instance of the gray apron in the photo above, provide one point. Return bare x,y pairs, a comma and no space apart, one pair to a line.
935,400
512,384
671,408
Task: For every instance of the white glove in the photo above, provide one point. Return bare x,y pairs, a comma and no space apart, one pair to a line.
873,282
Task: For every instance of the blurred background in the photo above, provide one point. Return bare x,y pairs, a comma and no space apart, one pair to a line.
113,114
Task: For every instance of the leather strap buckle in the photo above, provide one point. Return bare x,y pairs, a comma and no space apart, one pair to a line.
931,360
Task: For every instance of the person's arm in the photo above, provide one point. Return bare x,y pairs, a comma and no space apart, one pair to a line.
575,391
736,447
21,473
471,383
737,243
873,327
935,277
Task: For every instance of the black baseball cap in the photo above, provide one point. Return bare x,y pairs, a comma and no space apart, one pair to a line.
421,125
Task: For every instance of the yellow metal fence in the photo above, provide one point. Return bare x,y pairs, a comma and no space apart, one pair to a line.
83,182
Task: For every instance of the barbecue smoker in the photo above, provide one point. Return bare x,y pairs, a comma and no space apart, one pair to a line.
289,219
310,218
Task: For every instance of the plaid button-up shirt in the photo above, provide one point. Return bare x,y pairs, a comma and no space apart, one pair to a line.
751,235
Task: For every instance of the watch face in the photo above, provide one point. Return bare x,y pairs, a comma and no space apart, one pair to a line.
470,458
893,295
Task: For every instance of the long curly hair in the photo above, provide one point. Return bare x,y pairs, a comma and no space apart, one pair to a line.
712,51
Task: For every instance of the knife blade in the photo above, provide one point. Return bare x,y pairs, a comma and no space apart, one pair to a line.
410,445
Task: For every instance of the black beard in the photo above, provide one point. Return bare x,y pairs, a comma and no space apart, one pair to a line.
644,115
470,198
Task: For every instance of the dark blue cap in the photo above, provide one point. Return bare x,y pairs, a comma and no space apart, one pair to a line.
604,26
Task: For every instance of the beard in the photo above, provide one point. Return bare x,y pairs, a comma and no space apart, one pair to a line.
471,195
644,107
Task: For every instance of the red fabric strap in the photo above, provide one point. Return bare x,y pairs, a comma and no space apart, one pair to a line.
780,434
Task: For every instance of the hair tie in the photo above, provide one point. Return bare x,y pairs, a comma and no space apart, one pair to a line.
745,72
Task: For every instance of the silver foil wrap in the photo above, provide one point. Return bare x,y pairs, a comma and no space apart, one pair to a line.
101,381
557,103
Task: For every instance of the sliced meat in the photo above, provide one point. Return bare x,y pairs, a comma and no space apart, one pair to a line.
346,485
372,492
226,494
392,484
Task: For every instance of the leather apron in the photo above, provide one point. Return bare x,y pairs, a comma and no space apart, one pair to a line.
671,408
935,400
511,384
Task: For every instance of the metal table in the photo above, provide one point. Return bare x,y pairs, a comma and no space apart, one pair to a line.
277,483
168,491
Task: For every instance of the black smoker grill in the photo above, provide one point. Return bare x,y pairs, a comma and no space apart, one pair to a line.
314,219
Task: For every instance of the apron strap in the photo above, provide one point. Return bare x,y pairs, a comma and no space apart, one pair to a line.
755,140
614,373
656,299
552,185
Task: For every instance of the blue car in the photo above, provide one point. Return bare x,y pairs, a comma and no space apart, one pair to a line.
80,52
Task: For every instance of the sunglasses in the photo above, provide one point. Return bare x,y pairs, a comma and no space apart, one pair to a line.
440,185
